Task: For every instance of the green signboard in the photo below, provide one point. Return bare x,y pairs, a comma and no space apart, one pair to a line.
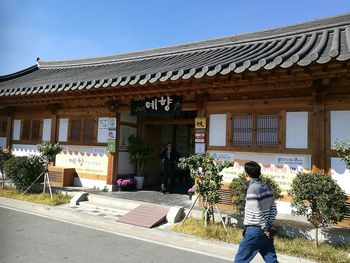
111,146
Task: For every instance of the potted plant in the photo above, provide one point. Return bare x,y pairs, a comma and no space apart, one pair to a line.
139,152
126,184
191,191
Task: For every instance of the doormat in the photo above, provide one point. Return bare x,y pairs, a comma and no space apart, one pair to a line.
145,216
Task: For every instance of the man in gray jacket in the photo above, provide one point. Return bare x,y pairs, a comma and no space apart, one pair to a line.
259,218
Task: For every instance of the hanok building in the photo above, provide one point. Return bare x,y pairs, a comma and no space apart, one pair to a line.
280,97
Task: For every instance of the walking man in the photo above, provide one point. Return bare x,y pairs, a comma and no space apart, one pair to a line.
169,158
259,219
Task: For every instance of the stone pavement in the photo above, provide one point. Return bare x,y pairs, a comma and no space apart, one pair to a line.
97,219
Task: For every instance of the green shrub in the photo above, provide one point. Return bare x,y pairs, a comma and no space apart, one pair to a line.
206,173
343,151
239,188
23,170
48,151
318,197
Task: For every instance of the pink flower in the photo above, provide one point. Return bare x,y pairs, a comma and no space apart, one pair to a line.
126,181
192,190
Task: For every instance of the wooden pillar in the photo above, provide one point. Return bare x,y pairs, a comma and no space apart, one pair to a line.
54,125
318,159
9,132
112,171
201,104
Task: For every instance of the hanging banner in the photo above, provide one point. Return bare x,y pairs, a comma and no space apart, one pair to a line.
157,106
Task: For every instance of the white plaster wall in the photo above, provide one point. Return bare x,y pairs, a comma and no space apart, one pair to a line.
340,126
63,130
296,130
283,208
124,166
24,149
341,174
97,184
217,130
16,130
47,130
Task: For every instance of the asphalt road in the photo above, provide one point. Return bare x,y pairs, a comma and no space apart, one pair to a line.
28,238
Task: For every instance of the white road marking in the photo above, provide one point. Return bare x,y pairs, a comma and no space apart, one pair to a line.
120,234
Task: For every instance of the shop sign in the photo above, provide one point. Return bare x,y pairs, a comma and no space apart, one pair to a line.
200,123
161,106
88,163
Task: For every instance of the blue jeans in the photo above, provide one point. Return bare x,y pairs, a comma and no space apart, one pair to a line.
254,241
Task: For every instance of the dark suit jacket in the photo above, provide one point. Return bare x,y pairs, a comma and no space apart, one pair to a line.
174,157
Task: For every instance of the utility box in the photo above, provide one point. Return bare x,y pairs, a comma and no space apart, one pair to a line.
61,176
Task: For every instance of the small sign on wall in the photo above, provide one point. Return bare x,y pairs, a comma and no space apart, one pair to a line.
295,163
111,146
200,123
199,148
112,136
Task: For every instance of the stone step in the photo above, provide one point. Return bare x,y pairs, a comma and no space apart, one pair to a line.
89,205
110,202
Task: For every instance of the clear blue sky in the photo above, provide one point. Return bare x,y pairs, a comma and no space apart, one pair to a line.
72,29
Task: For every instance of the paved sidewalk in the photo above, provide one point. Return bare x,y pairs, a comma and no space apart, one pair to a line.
160,236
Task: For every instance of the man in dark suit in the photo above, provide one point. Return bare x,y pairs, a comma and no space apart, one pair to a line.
169,158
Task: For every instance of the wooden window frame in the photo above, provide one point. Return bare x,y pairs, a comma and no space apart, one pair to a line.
81,140
254,145
3,123
31,139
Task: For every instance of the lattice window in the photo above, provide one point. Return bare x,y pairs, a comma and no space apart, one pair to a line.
243,127
25,129
75,130
255,130
36,130
267,130
3,128
82,130
89,130
31,130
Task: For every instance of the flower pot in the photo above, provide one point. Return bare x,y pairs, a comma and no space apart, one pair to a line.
139,182
126,188
190,195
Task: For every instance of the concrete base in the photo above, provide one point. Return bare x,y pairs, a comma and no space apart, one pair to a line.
175,214
77,198
111,187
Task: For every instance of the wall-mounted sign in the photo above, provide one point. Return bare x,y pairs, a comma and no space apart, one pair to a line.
223,156
161,106
86,163
111,146
199,148
112,134
295,163
200,123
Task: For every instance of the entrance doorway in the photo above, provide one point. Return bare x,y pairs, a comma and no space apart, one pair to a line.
181,134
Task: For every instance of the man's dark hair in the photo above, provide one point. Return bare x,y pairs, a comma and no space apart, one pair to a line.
253,169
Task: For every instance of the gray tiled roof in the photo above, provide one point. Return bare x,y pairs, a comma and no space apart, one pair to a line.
319,41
